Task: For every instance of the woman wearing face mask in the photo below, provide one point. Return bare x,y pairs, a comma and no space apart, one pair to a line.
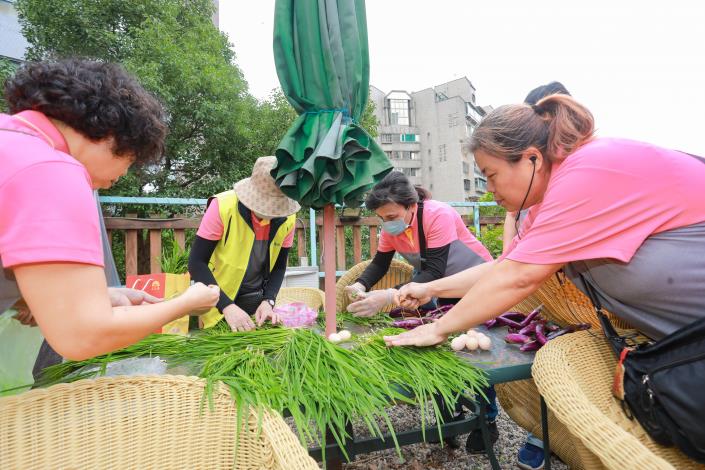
242,245
440,246
75,126
621,216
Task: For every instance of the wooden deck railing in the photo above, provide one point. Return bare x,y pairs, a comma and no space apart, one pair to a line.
362,228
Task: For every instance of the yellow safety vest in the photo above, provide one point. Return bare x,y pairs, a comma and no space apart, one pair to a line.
232,253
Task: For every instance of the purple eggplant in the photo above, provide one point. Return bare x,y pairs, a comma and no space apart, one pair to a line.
401,312
411,323
552,327
530,346
531,327
502,321
529,318
567,329
516,338
538,331
491,323
516,316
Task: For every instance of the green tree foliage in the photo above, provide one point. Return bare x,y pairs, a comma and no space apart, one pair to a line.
179,55
7,68
491,235
216,128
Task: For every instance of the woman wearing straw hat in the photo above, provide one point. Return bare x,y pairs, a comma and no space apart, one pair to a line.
242,245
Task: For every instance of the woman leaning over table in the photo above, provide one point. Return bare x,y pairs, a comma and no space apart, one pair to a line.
429,234
625,217
75,126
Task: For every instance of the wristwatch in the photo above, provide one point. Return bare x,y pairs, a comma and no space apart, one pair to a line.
270,302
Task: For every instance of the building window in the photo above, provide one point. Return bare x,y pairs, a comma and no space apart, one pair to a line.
467,184
402,155
399,112
409,171
386,138
480,185
453,119
466,168
410,138
472,112
442,153
478,172
399,106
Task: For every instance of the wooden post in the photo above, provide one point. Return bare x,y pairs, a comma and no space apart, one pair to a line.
180,238
340,243
130,252
373,240
329,266
357,244
301,242
155,251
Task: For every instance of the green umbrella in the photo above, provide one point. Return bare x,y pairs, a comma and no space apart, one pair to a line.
325,158
321,54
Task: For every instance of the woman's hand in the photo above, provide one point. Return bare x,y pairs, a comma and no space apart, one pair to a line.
424,335
124,297
265,311
237,318
200,297
355,291
372,302
413,295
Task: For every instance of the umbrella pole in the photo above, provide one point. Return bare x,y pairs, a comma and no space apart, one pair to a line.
329,266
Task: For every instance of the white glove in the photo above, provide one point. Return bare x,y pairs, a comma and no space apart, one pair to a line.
355,291
372,302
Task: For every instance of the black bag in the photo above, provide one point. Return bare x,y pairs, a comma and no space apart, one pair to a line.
662,383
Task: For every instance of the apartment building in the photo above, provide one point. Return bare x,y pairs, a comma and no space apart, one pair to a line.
423,134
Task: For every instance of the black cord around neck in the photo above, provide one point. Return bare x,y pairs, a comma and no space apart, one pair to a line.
531,182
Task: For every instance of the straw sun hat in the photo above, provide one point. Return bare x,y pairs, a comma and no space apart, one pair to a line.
260,194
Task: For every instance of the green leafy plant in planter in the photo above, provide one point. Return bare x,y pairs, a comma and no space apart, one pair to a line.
174,260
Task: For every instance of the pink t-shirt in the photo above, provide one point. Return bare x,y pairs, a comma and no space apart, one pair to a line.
605,199
211,227
47,209
442,225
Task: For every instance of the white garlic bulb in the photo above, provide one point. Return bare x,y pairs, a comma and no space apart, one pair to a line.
458,343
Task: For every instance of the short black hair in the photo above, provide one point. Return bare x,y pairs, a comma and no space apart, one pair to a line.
396,188
99,100
543,91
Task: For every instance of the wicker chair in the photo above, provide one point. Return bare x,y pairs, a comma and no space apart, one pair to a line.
140,423
314,298
574,375
399,273
563,304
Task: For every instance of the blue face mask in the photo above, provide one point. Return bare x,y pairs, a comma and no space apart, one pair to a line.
394,227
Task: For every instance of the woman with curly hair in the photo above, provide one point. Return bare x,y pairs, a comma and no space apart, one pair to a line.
75,126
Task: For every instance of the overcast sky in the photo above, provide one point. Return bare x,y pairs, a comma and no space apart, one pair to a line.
639,66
